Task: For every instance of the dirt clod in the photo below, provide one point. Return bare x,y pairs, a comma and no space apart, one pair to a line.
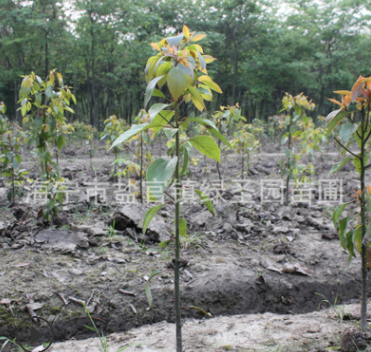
353,340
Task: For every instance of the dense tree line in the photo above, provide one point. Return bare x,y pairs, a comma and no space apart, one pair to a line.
264,49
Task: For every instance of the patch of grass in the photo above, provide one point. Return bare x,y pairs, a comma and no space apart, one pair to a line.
86,214
193,240
338,310
8,341
111,230
104,346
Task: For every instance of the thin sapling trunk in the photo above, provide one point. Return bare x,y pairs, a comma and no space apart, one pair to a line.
178,322
364,323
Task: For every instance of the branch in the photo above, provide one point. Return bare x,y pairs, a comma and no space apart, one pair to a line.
186,112
169,195
343,146
167,120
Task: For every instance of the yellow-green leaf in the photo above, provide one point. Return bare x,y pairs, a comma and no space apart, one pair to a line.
334,118
186,31
182,227
163,70
206,200
357,162
198,101
149,215
197,37
176,82
207,81
208,58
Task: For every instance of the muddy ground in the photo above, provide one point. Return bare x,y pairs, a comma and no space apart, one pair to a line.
258,258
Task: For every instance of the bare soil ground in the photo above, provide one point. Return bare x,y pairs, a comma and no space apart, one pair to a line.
257,268
265,332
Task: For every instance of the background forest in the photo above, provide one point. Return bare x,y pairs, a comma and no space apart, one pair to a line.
264,49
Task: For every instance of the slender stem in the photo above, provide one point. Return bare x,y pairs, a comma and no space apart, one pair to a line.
288,161
217,164
91,159
141,168
178,322
115,165
160,144
248,161
13,185
364,323
343,146
242,163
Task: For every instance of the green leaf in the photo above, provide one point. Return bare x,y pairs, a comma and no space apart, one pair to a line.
156,108
147,289
135,129
284,139
149,215
185,163
207,146
358,238
334,118
350,243
206,200
158,93
161,120
342,231
90,328
213,129
357,162
186,70
150,88
347,130
177,82
182,227
24,110
337,166
197,96
337,213
59,197
163,244
158,174
60,141
170,132
15,163
163,70
49,91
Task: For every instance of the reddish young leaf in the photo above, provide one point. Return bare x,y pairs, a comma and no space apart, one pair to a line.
357,88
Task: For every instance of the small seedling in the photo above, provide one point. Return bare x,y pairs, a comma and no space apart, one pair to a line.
111,230
104,346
